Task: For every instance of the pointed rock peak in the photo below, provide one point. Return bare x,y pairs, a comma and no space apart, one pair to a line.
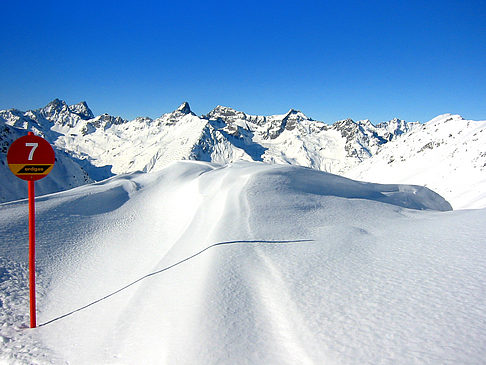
296,114
81,106
82,110
346,121
365,122
184,108
225,113
56,104
393,123
223,108
53,108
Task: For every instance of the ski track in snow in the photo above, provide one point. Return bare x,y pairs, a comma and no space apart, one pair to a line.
244,264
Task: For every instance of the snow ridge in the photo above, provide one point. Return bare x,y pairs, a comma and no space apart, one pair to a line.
245,263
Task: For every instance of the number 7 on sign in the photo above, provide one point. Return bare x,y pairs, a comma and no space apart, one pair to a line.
34,146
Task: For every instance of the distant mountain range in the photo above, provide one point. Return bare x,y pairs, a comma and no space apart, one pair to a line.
447,154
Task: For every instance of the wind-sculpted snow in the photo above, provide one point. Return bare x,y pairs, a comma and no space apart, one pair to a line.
325,184
244,264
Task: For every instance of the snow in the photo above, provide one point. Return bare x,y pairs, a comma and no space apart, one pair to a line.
67,173
446,154
245,263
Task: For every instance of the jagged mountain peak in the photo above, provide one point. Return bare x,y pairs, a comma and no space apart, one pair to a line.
56,102
396,126
348,122
184,108
296,114
173,117
294,111
227,135
366,122
82,110
223,111
56,105
223,108
146,120
58,111
231,116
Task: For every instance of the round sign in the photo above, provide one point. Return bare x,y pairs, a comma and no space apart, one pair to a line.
30,157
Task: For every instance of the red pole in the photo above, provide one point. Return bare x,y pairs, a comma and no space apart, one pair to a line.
32,253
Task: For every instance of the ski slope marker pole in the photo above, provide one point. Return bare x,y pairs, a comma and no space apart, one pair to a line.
31,158
32,253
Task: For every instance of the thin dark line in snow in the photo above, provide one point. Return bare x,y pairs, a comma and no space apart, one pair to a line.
167,268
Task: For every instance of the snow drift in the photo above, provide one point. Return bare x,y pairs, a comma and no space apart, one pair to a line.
245,264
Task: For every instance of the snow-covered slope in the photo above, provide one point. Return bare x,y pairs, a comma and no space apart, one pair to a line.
68,172
139,145
245,264
102,146
447,154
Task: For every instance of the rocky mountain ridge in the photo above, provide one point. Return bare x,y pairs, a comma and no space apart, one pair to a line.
102,146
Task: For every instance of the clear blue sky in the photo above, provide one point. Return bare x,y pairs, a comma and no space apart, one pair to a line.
331,59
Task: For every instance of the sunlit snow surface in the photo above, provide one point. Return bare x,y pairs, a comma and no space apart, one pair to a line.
446,154
245,264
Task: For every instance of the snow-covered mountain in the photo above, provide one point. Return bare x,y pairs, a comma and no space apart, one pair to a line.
103,146
67,174
247,263
293,138
447,154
